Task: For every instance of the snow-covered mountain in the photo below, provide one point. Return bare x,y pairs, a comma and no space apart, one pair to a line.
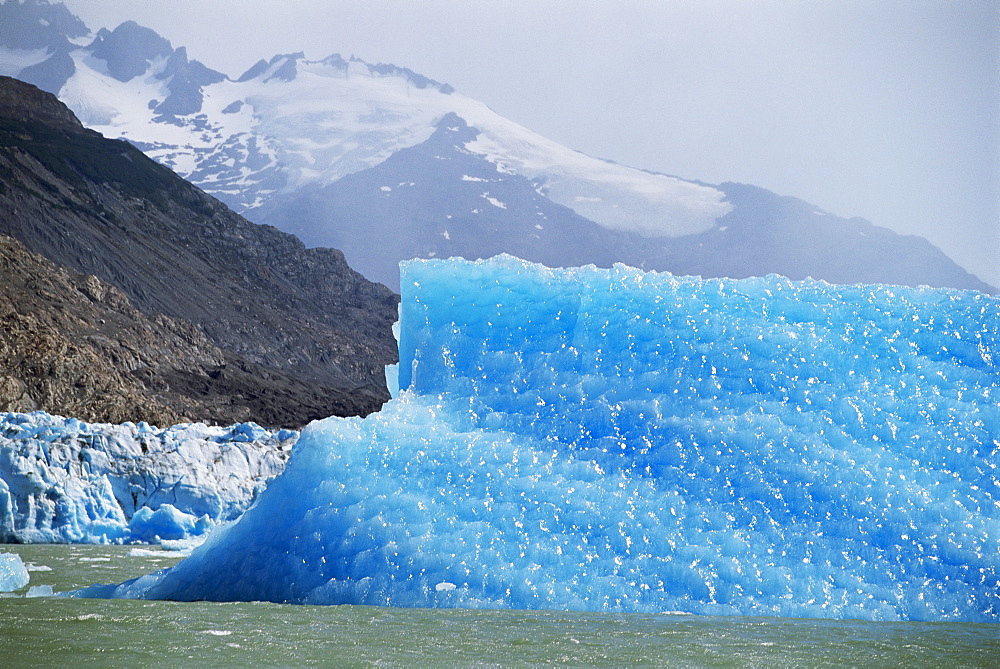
386,164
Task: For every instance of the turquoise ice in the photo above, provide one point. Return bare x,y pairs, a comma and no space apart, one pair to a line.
618,440
13,573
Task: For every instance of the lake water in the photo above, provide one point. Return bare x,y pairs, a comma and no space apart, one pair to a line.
48,631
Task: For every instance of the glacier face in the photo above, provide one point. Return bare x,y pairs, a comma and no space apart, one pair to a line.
66,481
618,440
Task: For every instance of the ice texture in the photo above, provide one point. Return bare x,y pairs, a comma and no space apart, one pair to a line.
66,481
39,591
13,573
615,440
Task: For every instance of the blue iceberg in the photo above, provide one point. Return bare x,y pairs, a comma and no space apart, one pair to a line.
616,440
13,573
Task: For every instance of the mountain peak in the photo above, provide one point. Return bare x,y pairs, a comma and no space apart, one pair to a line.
281,66
418,80
129,49
186,80
37,24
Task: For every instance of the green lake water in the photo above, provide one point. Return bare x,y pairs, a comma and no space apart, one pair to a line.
51,632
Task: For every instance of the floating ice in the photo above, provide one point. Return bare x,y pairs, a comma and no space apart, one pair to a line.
627,441
39,591
13,573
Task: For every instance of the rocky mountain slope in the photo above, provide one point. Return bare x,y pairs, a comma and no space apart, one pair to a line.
386,164
71,341
216,319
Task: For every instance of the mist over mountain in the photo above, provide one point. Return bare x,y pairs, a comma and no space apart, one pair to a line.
130,294
386,164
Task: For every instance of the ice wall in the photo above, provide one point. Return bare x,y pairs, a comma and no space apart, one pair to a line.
66,481
628,441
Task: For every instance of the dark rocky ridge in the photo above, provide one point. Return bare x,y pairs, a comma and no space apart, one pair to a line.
300,333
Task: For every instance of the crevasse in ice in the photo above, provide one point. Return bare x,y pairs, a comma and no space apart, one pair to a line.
619,440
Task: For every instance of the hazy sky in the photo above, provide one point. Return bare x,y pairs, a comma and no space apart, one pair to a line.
885,109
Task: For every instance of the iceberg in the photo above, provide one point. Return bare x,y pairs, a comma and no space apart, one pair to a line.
13,573
617,440
66,481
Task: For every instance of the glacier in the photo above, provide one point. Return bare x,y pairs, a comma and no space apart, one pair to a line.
616,440
63,480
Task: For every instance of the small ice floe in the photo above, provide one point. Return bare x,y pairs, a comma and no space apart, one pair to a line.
39,591
146,552
31,566
183,547
95,559
13,574
445,586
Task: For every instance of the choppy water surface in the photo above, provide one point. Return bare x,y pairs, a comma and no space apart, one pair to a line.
46,631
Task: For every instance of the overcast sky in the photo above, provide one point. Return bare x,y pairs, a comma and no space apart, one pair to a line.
884,109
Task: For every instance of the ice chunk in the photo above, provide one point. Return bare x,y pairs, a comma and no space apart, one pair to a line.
167,523
146,552
617,440
13,573
39,591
